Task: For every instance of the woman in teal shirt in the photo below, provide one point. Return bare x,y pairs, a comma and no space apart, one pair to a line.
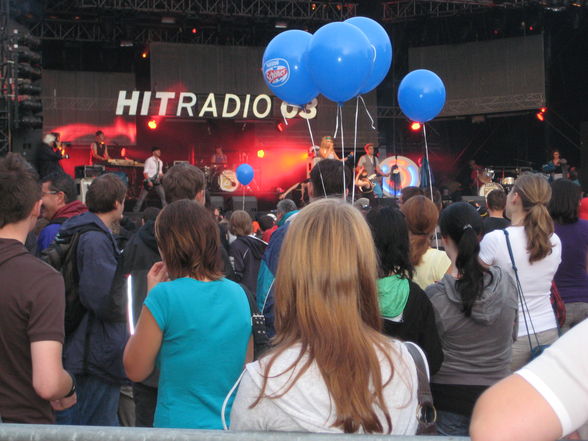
194,323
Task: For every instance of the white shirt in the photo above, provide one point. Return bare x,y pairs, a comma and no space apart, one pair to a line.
307,406
535,277
560,375
151,167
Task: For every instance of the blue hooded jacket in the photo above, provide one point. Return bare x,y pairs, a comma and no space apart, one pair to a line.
96,346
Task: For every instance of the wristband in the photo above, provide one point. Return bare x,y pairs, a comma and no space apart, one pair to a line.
73,386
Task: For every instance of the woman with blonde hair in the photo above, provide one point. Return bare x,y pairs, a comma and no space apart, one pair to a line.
196,323
327,148
330,370
430,264
537,253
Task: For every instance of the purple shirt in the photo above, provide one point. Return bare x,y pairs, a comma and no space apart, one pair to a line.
571,277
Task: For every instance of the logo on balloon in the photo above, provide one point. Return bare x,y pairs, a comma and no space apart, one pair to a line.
277,71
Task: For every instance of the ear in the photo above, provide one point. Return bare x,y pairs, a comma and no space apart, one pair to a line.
200,197
36,211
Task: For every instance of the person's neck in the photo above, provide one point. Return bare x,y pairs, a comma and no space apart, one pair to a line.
18,231
517,219
496,213
106,218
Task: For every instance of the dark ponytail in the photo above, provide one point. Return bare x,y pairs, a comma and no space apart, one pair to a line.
462,223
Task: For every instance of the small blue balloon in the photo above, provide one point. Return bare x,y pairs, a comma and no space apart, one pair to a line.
340,59
284,68
380,40
421,95
245,174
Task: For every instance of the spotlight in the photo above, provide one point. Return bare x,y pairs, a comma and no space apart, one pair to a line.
152,124
281,127
123,152
260,153
541,114
194,30
415,126
144,54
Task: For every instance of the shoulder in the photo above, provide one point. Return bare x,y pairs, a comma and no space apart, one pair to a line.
435,289
38,273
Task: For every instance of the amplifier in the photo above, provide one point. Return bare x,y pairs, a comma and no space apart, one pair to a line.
88,171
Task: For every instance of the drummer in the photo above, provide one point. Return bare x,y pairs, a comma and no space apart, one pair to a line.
219,159
476,176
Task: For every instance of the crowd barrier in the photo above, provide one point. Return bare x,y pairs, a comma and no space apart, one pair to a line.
31,432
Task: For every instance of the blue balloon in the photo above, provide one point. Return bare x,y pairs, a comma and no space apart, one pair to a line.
379,39
284,68
245,174
421,95
340,59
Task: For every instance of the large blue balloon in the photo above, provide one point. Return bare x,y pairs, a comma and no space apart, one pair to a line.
380,40
245,174
421,95
340,59
284,68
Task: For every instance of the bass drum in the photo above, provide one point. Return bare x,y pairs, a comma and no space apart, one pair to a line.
487,188
224,180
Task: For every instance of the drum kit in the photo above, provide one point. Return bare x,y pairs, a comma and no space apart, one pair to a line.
506,182
219,178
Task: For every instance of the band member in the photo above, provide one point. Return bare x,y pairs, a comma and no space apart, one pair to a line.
99,153
152,172
48,157
371,166
365,187
558,167
475,174
327,148
219,158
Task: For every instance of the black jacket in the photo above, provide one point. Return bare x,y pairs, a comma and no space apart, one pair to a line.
418,326
48,160
246,253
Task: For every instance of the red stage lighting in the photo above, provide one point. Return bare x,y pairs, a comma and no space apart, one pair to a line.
152,124
144,54
415,126
194,30
541,114
123,152
281,127
260,153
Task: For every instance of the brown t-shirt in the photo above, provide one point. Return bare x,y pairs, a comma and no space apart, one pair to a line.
32,308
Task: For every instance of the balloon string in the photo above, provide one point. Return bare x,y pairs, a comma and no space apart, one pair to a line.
368,112
429,172
355,147
342,150
337,122
314,153
243,198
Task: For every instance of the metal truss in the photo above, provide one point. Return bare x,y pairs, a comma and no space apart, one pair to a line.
279,9
404,10
95,31
485,105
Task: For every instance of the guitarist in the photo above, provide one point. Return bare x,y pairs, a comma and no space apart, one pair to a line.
371,166
152,172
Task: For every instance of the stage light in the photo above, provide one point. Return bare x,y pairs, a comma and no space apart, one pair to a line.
123,152
152,124
260,153
194,30
144,54
541,114
313,6
281,127
415,126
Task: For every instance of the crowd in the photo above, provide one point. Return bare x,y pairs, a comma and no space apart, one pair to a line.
365,309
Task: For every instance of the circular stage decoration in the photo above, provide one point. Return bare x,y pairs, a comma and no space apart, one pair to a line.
407,171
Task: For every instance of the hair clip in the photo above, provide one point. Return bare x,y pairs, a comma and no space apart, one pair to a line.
467,227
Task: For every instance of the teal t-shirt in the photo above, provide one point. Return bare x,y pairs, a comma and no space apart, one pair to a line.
206,327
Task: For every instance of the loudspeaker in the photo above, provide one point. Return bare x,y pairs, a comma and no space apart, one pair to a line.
250,204
83,185
584,156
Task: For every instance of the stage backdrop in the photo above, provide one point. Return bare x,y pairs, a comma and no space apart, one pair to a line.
502,75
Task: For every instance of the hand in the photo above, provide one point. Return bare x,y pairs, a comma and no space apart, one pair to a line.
149,183
157,274
64,403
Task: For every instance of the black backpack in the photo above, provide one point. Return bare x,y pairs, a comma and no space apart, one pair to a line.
62,255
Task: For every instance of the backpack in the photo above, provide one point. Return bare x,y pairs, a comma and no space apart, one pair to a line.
62,255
